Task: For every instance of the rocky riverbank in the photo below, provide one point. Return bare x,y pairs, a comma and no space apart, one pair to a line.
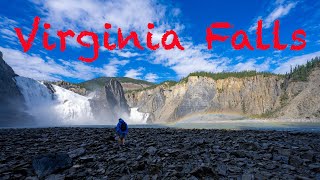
79,153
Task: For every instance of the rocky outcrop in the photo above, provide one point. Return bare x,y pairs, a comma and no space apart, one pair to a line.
71,87
109,102
129,86
250,96
11,100
260,96
301,99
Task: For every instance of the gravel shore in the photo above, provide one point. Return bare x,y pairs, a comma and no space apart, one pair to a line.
93,153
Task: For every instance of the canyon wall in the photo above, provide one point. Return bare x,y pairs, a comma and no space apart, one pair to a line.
267,96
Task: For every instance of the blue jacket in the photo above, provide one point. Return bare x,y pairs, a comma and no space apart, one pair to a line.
118,128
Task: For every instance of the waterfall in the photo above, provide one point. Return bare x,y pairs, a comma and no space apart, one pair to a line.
61,107
137,117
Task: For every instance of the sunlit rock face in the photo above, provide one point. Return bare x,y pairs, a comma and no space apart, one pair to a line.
243,96
110,103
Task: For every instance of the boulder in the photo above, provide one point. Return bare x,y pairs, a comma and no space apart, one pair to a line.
47,164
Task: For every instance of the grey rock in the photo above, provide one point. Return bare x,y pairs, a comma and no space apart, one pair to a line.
77,152
247,177
315,167
32,178
222,169
55,177
88,158
152,150
204,171
295,161
47,164
120,160
308,155
192,178
282,159
125,177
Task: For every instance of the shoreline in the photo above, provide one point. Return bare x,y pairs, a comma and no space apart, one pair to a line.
236,124
159,153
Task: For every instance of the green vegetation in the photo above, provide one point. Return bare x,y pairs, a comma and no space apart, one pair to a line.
283,99
100,82
215,76
268,114
225,75
302,72
165,83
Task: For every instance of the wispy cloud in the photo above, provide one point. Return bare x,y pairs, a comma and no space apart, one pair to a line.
7,32
36,67
134,73
193,58
151,77
294,61
252,64
280,10
93,14
125,54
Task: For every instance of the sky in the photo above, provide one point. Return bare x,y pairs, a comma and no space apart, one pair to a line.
189,19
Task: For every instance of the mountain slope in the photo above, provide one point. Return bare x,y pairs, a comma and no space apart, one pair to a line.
127,83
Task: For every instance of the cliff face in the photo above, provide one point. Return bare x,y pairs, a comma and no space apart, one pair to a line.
109,102
302,99
11,100
250,96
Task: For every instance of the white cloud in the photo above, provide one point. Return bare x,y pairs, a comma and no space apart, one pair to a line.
294,61
124,54
279,11
7,30
193,58
252,64
93,14
151,77
134,73
33,66
239,58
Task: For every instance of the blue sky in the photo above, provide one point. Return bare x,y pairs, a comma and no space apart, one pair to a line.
188,18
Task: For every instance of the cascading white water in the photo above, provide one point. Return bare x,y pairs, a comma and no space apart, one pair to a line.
64,107
137,117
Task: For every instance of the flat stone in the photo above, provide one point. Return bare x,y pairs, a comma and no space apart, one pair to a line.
203,171
46,164
77,152
295,161
55,177
88,158
315,167
247,177
151,150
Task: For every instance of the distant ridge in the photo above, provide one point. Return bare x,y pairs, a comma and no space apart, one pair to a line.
127,83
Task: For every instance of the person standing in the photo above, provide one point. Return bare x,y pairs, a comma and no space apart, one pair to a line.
122,131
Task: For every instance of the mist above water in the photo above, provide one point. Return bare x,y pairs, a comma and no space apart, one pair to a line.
63,107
